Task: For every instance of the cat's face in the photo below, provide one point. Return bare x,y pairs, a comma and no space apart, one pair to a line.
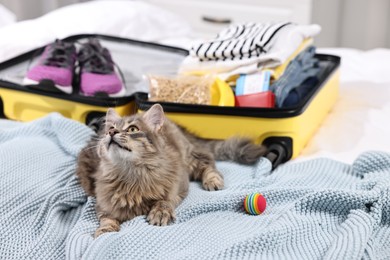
131,138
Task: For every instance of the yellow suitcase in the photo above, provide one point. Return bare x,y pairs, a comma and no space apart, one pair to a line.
284,130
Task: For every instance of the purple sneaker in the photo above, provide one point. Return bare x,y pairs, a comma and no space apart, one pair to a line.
56,64
97,72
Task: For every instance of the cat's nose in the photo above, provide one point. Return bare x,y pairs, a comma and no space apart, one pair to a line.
113,132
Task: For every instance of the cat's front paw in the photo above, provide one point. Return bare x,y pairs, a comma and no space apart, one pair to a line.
105,229
213,181
107,225
161,214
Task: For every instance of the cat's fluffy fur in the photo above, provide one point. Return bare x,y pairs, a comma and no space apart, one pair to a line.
142,164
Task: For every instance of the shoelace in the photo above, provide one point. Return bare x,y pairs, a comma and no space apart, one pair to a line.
94,58
60,54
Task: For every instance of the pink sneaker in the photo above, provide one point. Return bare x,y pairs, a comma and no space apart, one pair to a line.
55,64
97,72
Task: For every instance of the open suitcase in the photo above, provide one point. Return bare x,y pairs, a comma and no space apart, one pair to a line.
285,131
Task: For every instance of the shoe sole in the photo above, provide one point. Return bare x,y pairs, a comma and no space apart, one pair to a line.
121,93
66,89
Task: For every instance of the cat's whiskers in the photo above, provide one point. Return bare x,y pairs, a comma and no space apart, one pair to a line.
96,138
99,148
92,147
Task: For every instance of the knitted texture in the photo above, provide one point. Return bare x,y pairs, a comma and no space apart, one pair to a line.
318,209
40,198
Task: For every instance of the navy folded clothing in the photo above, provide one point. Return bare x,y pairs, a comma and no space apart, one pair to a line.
304,66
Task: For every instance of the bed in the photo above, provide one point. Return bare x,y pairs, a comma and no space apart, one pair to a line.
332,202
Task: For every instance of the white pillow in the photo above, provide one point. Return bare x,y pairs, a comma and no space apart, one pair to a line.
129,19
132,19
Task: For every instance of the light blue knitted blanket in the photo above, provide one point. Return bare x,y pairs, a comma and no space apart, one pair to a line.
319,209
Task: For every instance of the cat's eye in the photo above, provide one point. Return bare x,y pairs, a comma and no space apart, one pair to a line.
132,129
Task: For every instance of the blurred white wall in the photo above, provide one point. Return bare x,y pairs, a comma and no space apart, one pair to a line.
6,16
29,9
362,24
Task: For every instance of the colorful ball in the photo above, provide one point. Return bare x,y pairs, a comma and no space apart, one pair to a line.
255,203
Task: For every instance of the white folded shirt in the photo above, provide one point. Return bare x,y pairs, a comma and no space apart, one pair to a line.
247,48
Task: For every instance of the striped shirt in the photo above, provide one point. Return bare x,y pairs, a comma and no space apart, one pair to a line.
239,41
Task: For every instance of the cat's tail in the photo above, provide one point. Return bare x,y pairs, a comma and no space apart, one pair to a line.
237,149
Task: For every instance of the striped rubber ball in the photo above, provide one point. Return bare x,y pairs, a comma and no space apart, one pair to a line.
255,203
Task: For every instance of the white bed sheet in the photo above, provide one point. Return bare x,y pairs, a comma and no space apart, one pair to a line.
358,122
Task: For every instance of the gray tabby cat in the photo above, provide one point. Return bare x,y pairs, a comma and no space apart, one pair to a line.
142,164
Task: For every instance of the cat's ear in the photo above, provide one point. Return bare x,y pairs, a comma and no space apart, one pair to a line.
112,117
154,117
